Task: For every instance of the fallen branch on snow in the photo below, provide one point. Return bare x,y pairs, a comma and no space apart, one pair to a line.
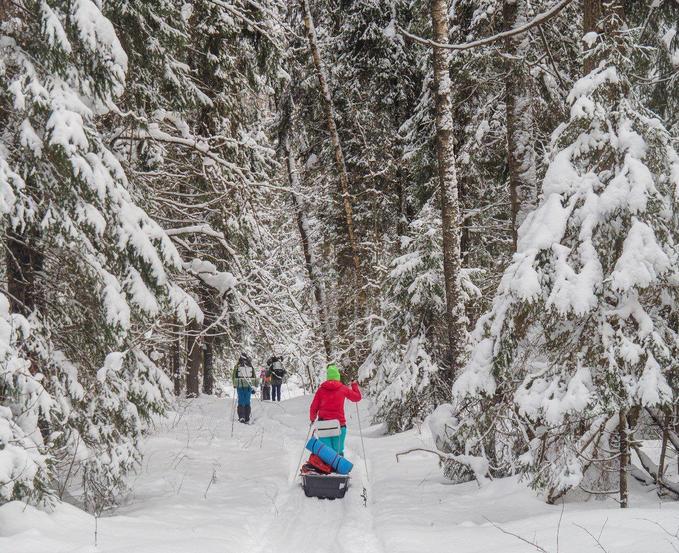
517,536
478,465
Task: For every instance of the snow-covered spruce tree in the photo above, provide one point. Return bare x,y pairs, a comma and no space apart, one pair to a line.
84,264
583,329
23,468
203,163
410,341
657,78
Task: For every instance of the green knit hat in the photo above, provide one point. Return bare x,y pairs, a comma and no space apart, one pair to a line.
333,372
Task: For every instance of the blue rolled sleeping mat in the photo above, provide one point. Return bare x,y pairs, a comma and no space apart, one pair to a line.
338,463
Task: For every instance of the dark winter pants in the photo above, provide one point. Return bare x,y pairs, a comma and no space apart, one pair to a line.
266,392
244,412
244,408
276,392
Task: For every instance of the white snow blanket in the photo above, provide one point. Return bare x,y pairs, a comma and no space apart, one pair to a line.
200,490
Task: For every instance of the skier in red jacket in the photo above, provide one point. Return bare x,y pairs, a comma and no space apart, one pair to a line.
328,404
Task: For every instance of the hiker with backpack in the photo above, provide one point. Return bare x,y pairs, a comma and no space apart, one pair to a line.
277,372
265,377
328,404
244,380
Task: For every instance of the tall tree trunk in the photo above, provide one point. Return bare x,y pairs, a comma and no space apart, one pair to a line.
309,258
520,121
675,428
591,20
208,364
601,16
402,221
310,261
447,176
24,264
329,109
194,356
663,450
176,362
624,458
210,309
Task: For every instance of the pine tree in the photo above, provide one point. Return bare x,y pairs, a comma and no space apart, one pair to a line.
582,333
72,224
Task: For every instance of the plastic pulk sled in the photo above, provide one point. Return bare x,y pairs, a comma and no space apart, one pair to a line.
326,474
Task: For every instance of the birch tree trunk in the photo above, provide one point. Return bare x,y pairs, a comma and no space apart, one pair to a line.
520,121
447,176
329,109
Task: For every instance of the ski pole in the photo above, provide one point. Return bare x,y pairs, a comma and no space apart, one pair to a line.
299,464
364,495
360,431
233,412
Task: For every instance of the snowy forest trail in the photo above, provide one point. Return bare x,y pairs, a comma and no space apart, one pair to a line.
201,490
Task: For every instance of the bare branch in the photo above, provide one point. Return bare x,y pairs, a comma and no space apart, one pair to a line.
517,536
596,539
537,20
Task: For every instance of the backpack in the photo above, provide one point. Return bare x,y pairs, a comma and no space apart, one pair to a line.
319,465
245,371
277,370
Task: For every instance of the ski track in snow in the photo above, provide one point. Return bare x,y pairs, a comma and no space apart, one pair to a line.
201,490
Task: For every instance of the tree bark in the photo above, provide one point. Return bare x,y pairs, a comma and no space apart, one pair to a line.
194,361
600,16
208,364
448,188
24,264
624,458
329,109
663,450
591,19
176,364
520,121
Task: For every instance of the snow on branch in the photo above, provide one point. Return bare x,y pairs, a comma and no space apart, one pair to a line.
478,465
537,20
222,281
652,469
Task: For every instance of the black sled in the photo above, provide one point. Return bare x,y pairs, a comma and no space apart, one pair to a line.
325,486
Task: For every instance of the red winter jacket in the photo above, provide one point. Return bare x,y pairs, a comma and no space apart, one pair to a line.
328,403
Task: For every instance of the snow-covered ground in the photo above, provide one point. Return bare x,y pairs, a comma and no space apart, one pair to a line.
201,490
